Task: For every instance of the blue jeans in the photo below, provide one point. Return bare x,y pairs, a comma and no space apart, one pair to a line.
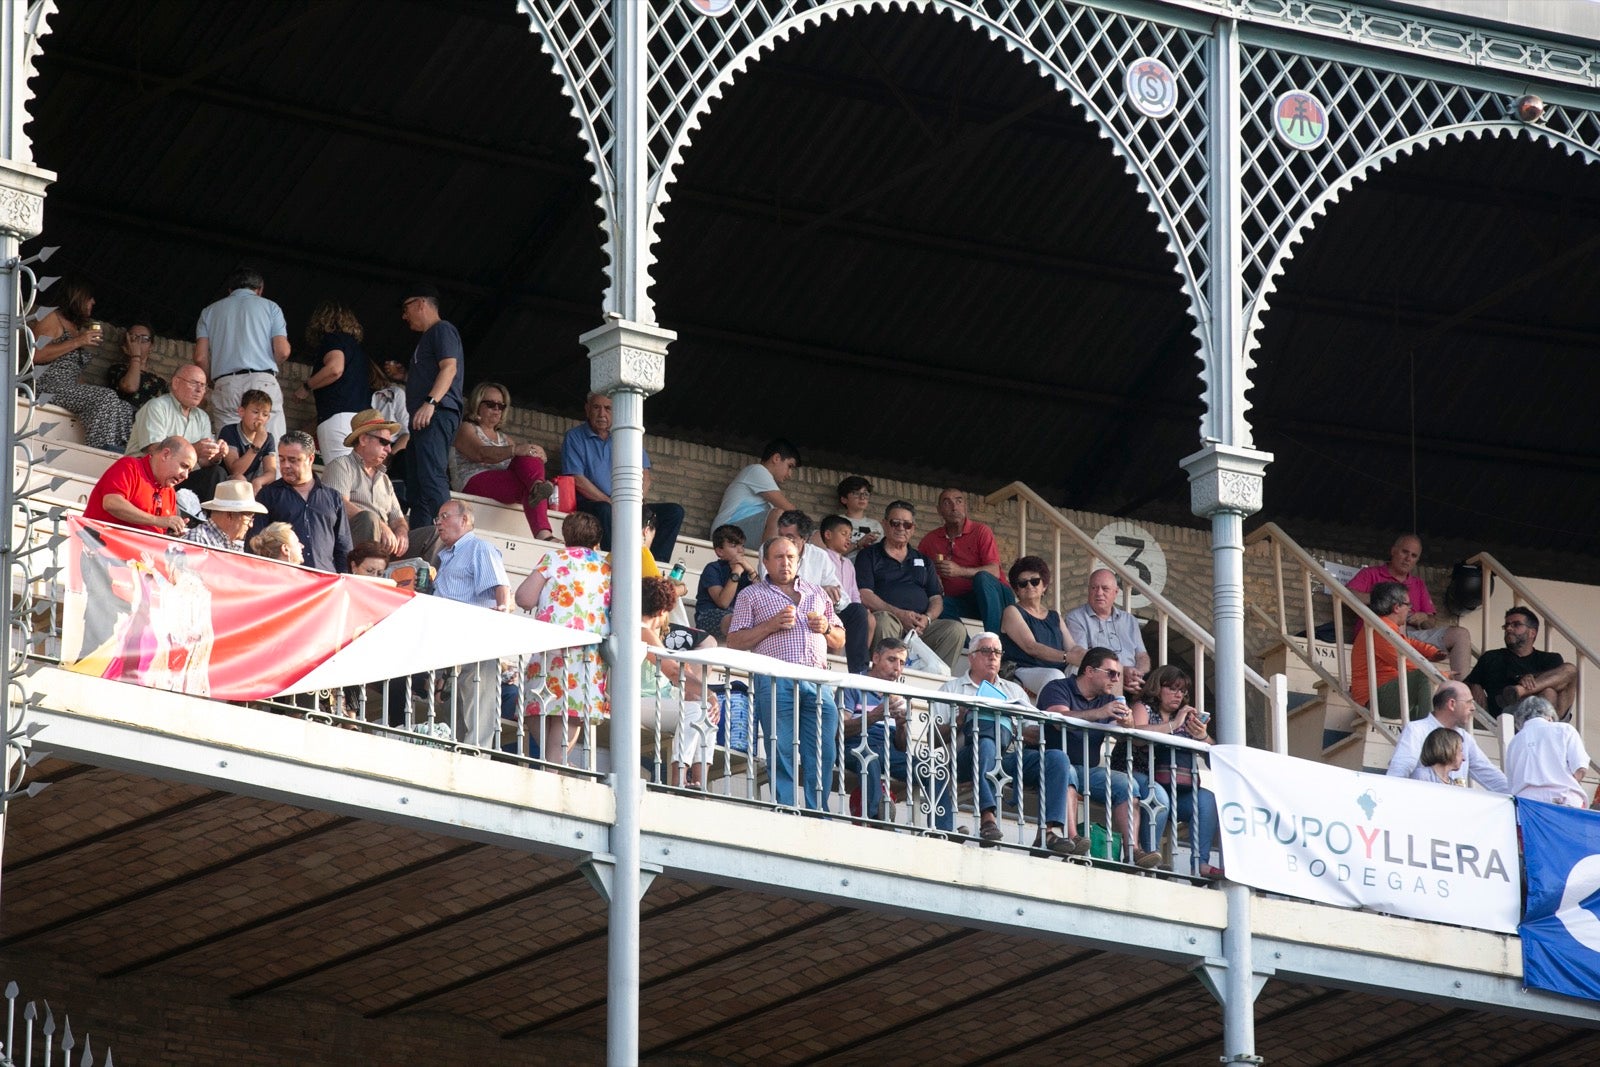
988,600
669,520
870,767
809,707
427,463
1023,767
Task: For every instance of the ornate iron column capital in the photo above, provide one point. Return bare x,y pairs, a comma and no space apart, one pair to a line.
1225,478
627,357
22,189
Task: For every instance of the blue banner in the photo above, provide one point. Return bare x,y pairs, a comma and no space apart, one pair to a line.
1561,928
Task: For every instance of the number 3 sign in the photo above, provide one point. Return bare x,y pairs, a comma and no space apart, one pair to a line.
1137,551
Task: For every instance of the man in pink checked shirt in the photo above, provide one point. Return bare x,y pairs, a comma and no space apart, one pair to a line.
790,619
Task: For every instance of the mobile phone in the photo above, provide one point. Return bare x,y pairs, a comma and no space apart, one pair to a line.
864,529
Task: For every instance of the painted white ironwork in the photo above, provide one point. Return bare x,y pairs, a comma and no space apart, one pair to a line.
1086,51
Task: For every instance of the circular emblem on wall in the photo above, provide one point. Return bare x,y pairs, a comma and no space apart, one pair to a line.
712,7
1151,88
1300,119
1137,551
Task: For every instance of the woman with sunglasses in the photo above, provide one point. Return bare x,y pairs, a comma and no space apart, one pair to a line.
1034,641
485,462
1165,703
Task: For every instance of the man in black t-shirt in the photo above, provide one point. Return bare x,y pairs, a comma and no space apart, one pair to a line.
433,398
1506,675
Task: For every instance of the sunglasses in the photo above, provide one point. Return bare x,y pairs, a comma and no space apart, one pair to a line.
1028,583
384,441
903,524
1113,675
492,405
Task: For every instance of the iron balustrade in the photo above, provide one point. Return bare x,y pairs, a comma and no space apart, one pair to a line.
913,747
922,774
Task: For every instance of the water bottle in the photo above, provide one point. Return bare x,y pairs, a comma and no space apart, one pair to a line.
677,572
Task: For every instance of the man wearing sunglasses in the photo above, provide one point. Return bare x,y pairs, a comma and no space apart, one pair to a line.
361,479
900,587
1091,694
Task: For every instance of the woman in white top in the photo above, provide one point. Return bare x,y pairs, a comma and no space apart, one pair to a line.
485,462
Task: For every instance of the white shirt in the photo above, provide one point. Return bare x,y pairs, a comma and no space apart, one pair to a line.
1540,761
1409,748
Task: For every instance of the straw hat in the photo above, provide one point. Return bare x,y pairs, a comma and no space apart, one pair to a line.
369,421
234,495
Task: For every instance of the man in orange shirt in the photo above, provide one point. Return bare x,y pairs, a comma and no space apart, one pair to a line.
1391,603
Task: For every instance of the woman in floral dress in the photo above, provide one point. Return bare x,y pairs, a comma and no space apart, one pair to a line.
107,418
570,587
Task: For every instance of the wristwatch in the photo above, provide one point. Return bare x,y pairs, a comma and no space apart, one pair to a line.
431,402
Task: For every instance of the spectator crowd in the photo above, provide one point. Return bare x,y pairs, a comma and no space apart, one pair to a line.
209,457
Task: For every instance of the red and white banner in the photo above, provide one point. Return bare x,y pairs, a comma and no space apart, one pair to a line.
1391,845
167,614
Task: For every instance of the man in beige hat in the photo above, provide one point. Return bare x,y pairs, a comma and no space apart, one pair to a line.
360,478
227,516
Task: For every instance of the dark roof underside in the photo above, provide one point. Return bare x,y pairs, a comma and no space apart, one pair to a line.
891,241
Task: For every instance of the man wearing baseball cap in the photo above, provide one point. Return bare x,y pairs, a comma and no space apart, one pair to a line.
227,517
360,478
433,399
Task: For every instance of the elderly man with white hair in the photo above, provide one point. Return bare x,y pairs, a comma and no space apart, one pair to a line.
987,740
472,571
1546,760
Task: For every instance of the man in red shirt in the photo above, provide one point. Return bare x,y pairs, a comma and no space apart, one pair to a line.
1422,624
138,491
968,562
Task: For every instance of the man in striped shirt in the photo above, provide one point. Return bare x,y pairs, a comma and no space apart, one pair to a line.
788,618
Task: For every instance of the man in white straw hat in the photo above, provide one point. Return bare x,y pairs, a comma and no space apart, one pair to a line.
361,479
227,516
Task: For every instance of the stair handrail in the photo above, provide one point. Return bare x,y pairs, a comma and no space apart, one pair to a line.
1408,658
1552,623
1166,610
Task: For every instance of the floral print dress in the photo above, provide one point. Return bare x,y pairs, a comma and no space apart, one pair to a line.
107,418
577,595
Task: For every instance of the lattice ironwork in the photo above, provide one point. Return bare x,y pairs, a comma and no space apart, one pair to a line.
694,56
1375,116
1432,36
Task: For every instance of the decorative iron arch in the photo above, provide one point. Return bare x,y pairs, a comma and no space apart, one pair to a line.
1183,225
1372,164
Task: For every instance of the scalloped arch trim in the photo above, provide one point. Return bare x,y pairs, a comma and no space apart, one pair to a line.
1370,165
660,193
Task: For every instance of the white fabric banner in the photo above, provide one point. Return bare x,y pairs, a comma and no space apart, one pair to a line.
1390,845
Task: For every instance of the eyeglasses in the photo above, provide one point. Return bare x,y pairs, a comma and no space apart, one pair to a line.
493,405
984,652
158,506
1514,626
140,338
903,524
384,441
199,383
1028,583
1113,675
